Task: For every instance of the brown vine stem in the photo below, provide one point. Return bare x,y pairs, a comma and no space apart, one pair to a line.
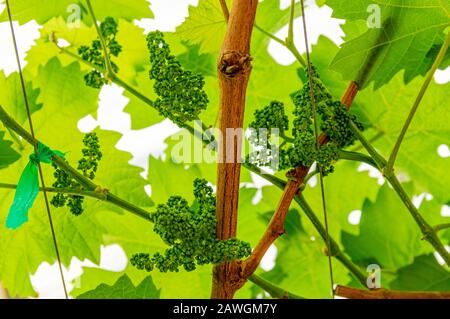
233,72
3,293
353,293
276,225
296,179
226,12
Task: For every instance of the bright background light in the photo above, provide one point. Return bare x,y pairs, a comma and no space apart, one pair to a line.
168,14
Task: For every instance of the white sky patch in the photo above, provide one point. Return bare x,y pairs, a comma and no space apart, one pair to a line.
354,217
148,141
268,261
63,43
373,172
110,113
258,181
439,258
445,211
87,124
313,181
318,22
443,151
148,190
47,281
442,76
418,199
25,37
258,196
113,258
168,15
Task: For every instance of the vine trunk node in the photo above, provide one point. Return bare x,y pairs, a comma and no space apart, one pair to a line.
233,63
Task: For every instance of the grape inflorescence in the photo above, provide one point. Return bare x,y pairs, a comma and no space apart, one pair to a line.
302,148
190,231
180,92
88,165
94,54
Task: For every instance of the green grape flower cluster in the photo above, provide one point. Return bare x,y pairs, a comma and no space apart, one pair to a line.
94,54
191,234
88,164
180,92
269,117
301,150
304,151
91,155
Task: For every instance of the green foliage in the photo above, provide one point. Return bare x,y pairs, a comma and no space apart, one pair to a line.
42,11
385,111
380,53
409,40
124,289
95,55
11,97
180,92
301,266
7,155
191,233
88,165
376,243
424,274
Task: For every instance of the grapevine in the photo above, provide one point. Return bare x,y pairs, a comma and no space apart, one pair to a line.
88,165
301,150
94,55
180,92
190,231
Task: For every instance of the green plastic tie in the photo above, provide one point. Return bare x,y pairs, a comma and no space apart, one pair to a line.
28,186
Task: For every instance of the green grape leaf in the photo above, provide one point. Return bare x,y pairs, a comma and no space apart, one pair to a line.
142,115
386,111
124,289
42,11
67,99
205,26
252,223
135,236
424,274
7,154
44,49
351,183
11,96
132,59
134,55
381,240
408,31
301,266
192,59
177,181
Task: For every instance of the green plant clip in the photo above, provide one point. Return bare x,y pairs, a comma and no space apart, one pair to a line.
28,186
